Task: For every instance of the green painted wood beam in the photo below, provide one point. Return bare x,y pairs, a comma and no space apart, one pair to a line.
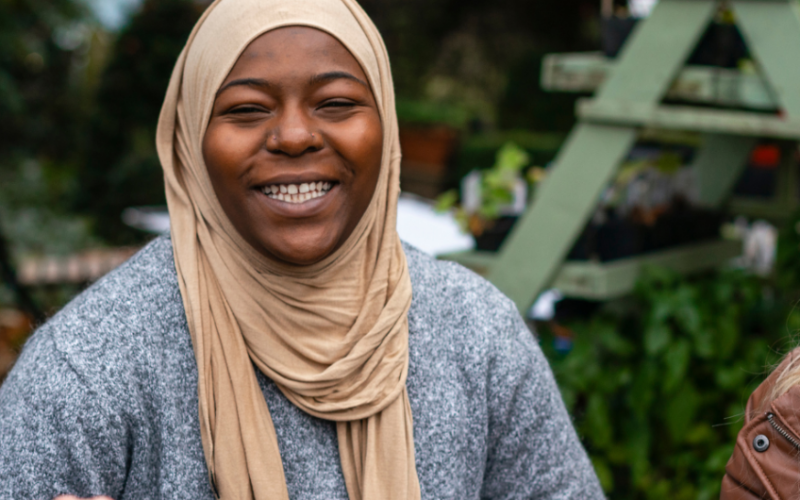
657,50
719,164
609,280
586,71
771,29
647,65
713,121
598,281
534,250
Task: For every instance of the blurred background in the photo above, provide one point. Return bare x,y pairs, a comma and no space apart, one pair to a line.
659,312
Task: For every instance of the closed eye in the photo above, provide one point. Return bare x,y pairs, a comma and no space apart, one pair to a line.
245,110
338,104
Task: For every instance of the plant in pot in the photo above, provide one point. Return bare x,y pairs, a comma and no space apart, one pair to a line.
429,137
491,199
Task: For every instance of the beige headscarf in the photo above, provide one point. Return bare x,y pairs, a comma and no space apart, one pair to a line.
334,335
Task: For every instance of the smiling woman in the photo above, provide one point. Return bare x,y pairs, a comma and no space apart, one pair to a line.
283,342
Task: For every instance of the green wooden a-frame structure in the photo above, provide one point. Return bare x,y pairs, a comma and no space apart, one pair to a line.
628,100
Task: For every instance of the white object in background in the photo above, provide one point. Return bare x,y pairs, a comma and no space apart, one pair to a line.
471,192
760,247
517,207
641,8
433,233
150,219
544,309
471,195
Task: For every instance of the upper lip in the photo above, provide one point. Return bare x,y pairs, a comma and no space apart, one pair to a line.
296,179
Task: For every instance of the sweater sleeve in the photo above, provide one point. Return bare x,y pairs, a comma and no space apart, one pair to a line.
57,432
534,451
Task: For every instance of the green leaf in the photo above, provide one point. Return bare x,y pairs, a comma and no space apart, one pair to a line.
604,474
641,395
639,437
656,338
598,421
719,458
730,377
727,336
688,317
609,337
446,201
704,344
676,360
699,434
680,411
511,158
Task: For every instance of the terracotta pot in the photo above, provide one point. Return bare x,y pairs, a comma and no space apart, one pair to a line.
427,154
433,146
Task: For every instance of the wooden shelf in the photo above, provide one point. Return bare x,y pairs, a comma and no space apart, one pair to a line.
636,93
741,123
603,281
587,71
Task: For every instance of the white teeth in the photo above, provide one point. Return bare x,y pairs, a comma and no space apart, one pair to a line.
297,193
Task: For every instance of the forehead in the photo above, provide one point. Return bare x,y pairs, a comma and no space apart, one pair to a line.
294,50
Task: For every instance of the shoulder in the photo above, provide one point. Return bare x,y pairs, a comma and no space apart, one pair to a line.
456,311
141,295
115,334
452,292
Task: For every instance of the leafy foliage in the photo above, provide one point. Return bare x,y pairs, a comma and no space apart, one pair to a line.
788,254
121,167
44,60
40,106
496,189
35,90
658,384
497,186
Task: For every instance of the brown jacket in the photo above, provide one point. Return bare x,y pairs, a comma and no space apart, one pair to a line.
766,461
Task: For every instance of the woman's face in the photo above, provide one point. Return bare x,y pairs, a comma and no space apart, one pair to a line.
294,144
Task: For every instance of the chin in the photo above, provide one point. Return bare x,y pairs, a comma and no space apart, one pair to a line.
303,251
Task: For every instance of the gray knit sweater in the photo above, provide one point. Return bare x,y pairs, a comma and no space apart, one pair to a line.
103,399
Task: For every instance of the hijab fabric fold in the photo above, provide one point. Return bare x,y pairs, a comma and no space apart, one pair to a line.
333,336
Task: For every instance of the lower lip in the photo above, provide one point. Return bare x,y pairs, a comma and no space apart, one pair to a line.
307,208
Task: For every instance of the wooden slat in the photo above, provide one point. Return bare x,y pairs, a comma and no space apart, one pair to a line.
79,268
586,71
603,281
689,118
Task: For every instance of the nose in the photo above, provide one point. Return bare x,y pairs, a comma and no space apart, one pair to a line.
293,134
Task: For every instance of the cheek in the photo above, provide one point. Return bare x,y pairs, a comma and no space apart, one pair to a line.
216,153
362,144
225,152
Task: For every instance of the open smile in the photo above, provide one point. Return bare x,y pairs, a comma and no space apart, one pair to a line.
297,193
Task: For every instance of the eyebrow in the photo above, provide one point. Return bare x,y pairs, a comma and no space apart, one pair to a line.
314,80
248,82
335,75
